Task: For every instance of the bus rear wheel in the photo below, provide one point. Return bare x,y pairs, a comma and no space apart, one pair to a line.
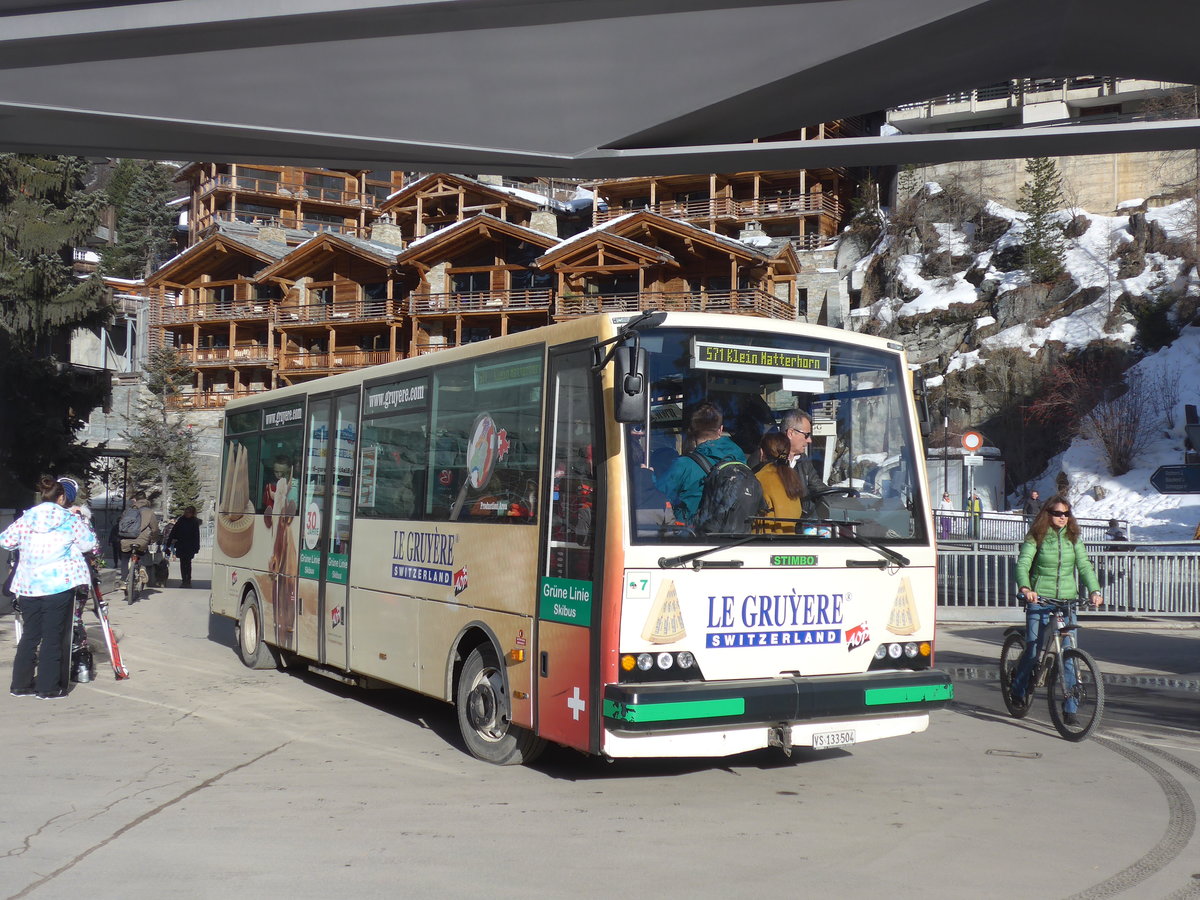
485,714
252,650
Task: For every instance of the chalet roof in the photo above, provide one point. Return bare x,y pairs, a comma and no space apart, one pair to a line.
609,238
422,245
266,252
527,199
375,251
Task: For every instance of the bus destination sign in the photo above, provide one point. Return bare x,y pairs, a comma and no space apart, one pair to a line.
765,360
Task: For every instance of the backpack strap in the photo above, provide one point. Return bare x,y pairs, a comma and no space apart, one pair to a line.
700,460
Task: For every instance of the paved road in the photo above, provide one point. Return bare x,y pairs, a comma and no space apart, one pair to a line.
199,778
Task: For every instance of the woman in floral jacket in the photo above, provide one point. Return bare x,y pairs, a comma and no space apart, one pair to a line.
52,543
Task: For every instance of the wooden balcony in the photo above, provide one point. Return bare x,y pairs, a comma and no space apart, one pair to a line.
224,356
480,301
732,209
338,311
747,303
206,399
268,187
208,224
335,360
426,349
242,310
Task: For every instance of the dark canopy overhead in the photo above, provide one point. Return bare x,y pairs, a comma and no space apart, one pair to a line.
566,87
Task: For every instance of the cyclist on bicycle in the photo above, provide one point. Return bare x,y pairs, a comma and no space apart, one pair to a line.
1050,563
147,533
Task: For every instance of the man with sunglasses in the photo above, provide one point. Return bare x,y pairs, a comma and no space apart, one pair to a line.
797,427
1050,563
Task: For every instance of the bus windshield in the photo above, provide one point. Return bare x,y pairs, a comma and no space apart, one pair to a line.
837,412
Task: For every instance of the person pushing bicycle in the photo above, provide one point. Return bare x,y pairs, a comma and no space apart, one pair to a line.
1050,563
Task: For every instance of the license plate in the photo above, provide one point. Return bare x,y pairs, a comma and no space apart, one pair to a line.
823,740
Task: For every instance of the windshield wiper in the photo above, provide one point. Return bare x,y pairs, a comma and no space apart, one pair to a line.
670,562
898,558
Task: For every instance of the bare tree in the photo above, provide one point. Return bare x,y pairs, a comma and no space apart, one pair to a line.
1164,389
1124,425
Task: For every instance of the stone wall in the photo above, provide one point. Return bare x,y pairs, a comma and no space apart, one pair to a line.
1095,183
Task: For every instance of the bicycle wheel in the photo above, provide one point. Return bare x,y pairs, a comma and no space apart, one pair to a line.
1010,656
1087,694
131,582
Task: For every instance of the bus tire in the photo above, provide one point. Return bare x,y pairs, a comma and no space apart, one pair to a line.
251,648
485,714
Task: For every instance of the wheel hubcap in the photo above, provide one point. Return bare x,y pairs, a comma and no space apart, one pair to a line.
483,706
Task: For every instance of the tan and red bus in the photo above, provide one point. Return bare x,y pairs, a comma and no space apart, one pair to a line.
489,525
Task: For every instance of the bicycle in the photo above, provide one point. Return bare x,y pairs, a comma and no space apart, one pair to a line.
137,578
1077,679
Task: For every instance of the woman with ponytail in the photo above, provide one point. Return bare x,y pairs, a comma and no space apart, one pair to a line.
783,491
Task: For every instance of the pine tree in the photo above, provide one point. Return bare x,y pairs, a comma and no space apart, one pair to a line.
1041,198
145,221
45,214
162,447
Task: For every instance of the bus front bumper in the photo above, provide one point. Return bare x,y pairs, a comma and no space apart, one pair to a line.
671,706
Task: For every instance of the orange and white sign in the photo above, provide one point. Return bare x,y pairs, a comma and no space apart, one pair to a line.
972,440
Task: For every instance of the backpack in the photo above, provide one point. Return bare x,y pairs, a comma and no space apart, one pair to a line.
129,526
730,497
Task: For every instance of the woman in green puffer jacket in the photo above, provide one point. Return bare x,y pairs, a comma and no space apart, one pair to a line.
1050,563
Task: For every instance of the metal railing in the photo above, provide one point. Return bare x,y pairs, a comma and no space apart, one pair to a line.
1159,579
959,525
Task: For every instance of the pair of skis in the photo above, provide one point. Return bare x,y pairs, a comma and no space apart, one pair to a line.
110,640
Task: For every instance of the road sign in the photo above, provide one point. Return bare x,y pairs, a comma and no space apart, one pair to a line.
1176,479
972,441
972,460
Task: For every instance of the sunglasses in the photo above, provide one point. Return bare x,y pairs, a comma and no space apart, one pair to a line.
807,434
1060,512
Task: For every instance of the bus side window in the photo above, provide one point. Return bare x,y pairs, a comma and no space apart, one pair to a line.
572,507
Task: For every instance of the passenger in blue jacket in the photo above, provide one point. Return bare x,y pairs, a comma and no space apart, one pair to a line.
684,482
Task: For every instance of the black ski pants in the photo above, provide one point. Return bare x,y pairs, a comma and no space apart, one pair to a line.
45,644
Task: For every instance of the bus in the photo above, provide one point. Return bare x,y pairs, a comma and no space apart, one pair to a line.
486,525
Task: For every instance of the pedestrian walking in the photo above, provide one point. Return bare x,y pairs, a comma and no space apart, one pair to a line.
52,542
975,510
944,520
1033,505
184,542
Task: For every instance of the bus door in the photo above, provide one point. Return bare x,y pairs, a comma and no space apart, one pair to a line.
331,448
568,583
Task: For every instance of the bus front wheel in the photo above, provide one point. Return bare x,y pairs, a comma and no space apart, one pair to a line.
252,650
485,714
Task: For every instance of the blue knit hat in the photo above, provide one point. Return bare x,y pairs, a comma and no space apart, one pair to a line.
70,488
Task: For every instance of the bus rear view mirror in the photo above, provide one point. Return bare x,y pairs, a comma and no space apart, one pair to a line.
631,385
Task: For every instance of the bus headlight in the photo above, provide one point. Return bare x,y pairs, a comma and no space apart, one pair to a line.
664,661
685,660
645,661
910,650
881,651
894,651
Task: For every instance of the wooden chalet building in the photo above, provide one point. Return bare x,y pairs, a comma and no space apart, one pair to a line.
288,197
263,299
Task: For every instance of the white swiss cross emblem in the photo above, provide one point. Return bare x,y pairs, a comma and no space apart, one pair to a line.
576,704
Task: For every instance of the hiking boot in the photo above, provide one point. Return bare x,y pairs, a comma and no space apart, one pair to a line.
1070,719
